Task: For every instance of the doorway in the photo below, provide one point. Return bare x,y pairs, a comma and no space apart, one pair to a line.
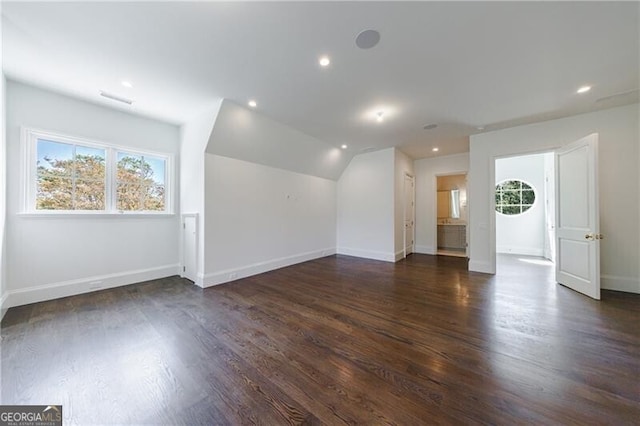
452,215
409,213
525,211
190,246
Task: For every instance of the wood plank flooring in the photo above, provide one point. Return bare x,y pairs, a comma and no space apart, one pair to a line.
333,341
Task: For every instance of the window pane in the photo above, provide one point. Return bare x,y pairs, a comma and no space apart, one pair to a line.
90,163
511,185
54,193
141,182
528,197
510,209
89,195
129,197
54,157
129,168
154,198
511,197
155,169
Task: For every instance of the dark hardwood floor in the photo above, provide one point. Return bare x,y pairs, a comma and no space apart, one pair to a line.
331,341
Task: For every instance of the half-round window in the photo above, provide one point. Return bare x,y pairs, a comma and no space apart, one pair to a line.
514,197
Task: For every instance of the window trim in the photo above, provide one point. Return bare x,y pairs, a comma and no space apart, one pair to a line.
29,175
535,198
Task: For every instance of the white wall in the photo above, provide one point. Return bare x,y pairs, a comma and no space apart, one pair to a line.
260,218
55,257
366,206
194,138
269,193
3,192
619,180
403,167
427,171
524,233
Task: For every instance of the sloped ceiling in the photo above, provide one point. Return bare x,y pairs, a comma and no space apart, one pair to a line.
249,136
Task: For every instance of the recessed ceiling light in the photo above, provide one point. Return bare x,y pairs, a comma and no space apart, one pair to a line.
343,146
127,84
435,149
324,61
252,103
584,89
380,116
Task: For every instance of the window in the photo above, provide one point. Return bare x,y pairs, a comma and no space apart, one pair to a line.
71,175
514,197
140,182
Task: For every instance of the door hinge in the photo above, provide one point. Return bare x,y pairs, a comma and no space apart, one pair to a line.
184,226
184,269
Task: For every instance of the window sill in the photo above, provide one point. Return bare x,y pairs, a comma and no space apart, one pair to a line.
66,215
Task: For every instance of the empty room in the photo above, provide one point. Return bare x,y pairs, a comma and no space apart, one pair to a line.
274,213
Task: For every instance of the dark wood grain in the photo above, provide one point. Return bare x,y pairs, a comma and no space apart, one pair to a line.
338,340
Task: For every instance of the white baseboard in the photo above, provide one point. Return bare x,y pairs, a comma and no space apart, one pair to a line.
399,255
368,254
57,290
484,267
221,277
618,283
425,250
524,251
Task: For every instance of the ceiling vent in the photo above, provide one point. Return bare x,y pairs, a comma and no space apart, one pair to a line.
115,97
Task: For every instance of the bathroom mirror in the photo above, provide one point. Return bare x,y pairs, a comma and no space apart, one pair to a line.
454,211
449,204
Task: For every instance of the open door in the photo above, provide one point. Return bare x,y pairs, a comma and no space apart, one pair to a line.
577,217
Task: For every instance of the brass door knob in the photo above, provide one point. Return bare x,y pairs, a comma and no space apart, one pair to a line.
590,237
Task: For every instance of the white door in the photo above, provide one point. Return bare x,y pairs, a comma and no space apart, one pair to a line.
409,213
577,218
549,210
189,247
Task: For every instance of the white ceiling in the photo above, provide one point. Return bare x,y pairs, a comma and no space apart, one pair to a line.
459,64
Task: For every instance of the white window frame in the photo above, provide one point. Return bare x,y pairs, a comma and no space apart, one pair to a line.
29,138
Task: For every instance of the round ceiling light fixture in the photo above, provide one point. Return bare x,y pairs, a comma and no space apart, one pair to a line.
367,39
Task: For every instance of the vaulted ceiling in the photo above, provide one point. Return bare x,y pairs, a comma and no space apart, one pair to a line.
467,67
